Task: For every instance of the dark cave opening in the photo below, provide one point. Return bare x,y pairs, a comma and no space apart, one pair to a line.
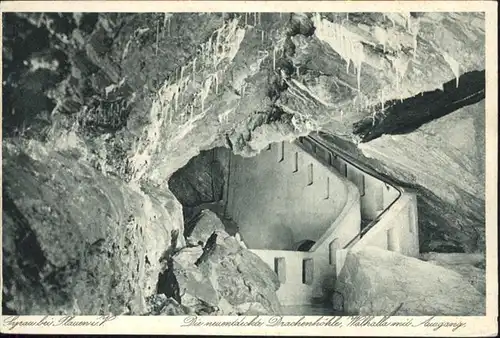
200,185
405,116
281,199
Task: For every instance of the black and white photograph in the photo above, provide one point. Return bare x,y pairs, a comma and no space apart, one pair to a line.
270,163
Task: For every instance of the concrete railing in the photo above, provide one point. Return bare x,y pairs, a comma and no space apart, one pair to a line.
287,195
296,272
395,228
306,275
396,231
310,275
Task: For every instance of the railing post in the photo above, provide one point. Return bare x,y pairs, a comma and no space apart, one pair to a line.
392,240
332,250
280,268
327,188
307,271
282,152
310,176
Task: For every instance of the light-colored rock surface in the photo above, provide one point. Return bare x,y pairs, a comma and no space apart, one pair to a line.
226,279
444,159
471,266
110,112
78,242
207,223
161,305
477,259
375,282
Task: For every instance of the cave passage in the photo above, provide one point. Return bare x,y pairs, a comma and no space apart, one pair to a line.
284,198
281,199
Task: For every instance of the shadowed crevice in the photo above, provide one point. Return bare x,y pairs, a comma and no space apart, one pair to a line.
403,117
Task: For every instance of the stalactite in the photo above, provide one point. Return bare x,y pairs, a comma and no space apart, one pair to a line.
176,99
408,20
358,70
209,50
382,100
216,83
400,65
157,36
341,41
165,18
194,69
274,58
454,65
414,46
413,28
203,56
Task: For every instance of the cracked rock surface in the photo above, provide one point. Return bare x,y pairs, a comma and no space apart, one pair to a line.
375,282
101,109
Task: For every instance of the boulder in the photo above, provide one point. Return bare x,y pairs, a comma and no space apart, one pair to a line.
77,242
239,275
377,282
224,278
470,266
206,223
194,286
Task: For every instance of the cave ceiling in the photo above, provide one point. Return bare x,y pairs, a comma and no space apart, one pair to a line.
146,81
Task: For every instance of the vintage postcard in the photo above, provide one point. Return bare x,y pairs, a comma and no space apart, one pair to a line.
250,167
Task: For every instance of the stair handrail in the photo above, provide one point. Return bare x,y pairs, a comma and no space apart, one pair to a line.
347,158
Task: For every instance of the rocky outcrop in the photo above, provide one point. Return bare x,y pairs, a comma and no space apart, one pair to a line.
254,74
207,222
375,282
160,305
443,161
470,266
200,181
125,97
223,278
78,242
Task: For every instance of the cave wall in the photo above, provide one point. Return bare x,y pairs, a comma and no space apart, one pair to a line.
273,201
443,161
141,137
375,195
77,242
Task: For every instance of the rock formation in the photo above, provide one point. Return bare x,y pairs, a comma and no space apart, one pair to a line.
375,281
76,241
101,109
223,277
